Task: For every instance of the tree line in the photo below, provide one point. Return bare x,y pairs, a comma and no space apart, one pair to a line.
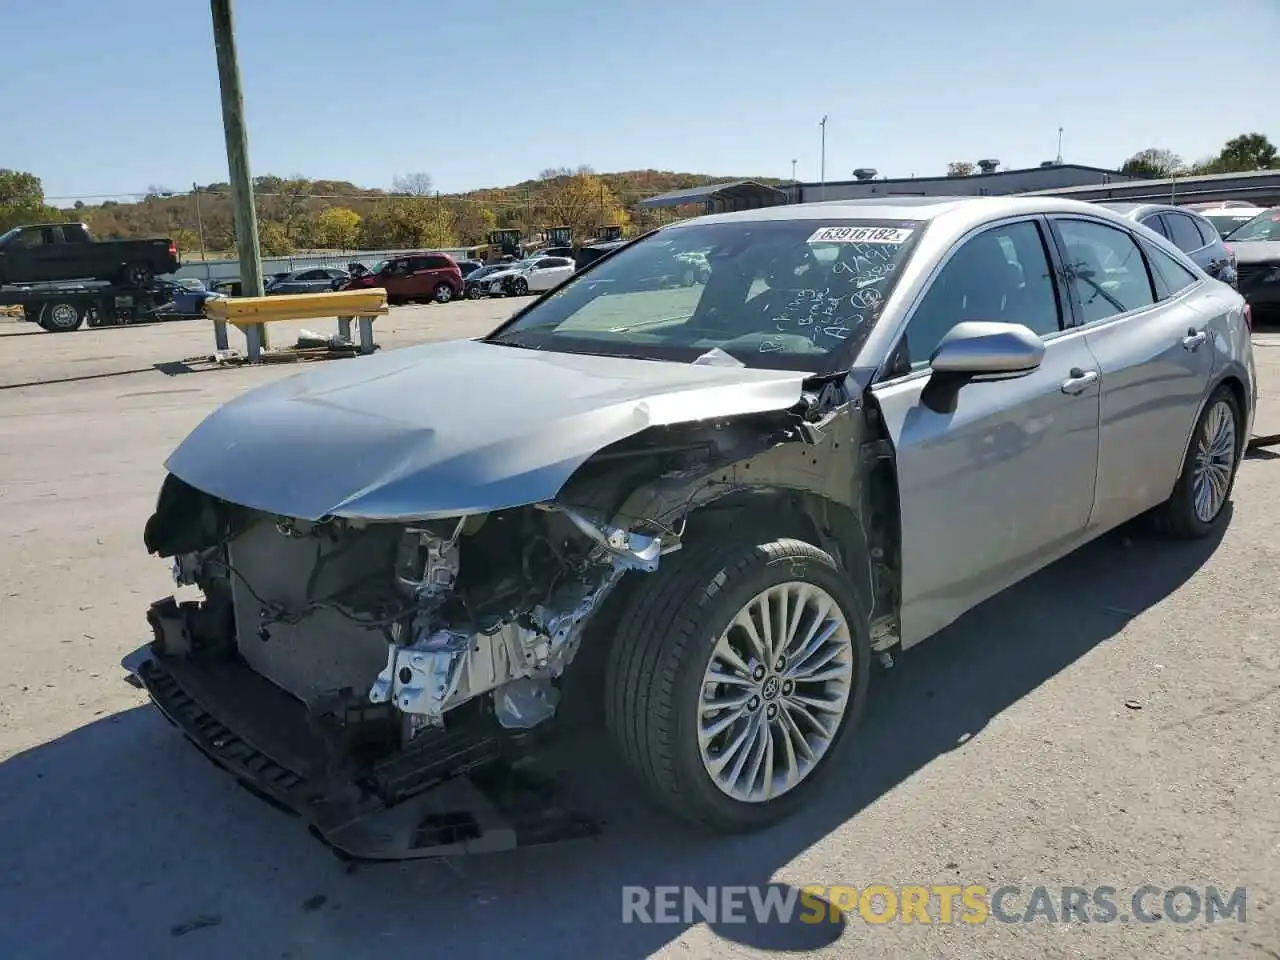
297,213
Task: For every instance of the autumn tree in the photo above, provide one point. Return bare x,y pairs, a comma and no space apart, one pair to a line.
472,221
273,240
960,168
1153,163
337,228
408,223
22,200
579,200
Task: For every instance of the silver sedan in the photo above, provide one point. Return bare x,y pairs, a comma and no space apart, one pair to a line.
858,422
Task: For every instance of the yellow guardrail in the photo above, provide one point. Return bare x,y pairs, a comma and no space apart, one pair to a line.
250,314
246,311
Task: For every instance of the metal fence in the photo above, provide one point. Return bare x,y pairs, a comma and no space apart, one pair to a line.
230,269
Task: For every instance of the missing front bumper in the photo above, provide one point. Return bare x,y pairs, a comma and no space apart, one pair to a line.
453,795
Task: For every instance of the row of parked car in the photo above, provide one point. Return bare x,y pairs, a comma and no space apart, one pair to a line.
1234,242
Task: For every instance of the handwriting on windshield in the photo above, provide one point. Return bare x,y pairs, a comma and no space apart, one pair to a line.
853,293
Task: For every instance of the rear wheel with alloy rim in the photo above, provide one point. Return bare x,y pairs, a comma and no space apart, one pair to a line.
1196,506
734,674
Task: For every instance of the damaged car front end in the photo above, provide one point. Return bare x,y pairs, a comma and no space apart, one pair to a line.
393,592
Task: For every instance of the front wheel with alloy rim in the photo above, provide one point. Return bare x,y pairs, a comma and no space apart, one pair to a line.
1197,503
520,285
443,293
733,675
61,317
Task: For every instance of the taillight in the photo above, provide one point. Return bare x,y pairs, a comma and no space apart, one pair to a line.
173,249
1248,317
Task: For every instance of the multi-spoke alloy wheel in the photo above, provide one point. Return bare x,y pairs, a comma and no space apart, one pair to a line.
775,691
1196,507
1215,461
734,671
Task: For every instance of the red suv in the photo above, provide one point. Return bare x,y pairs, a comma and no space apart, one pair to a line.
416,276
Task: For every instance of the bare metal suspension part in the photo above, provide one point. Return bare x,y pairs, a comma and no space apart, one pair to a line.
438,666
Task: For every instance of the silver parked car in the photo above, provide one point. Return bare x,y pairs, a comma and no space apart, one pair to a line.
861,421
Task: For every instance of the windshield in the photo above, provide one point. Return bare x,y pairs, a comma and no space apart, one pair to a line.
1265,226
9,235
1224,223
793,294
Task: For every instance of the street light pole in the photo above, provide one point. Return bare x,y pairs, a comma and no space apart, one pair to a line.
822,162
237,153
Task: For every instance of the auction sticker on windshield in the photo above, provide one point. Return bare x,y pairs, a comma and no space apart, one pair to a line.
894,235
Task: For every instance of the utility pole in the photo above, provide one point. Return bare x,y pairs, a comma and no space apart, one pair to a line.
224,42
1059,145
822,162
195,192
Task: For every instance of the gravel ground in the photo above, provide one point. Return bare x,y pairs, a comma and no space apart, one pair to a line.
1114,721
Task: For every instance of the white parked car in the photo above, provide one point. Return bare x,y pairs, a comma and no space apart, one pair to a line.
1230,216
531,276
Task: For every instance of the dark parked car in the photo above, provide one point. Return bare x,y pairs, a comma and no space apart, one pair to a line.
308,280
417,276
65,251
1188,231
476,285
1257,247
468,267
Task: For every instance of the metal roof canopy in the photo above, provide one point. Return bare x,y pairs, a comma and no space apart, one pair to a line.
1260,186
721,197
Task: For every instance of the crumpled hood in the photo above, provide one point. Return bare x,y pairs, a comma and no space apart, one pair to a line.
1256,251
448,428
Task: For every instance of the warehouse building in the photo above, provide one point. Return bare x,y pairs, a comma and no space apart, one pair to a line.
990,180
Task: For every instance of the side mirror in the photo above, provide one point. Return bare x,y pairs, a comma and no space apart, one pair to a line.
980,351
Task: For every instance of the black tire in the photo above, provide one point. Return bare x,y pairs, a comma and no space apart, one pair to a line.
1177,516
61,316
666,631
520,286
138,275
443,293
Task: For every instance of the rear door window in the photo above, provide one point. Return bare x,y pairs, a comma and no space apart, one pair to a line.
1170,277
1156,222
1183,232
1207,232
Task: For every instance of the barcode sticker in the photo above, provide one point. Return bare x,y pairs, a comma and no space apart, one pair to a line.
894,235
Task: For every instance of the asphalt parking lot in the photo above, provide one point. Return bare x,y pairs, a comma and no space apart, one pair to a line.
1114,721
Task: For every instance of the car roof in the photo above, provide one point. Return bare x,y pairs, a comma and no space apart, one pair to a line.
1134,210
920,209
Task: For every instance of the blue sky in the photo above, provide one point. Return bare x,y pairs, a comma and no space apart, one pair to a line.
125,95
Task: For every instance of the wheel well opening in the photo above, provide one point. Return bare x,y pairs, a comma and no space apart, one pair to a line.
1233,384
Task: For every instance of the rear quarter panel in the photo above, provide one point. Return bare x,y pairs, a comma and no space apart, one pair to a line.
1232,343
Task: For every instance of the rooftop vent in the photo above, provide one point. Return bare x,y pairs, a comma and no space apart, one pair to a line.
988,166
865,173
1048,163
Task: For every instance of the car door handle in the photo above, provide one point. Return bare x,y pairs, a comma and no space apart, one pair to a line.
1079,381
1194,339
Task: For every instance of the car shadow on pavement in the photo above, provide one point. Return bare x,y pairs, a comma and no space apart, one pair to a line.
121,836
